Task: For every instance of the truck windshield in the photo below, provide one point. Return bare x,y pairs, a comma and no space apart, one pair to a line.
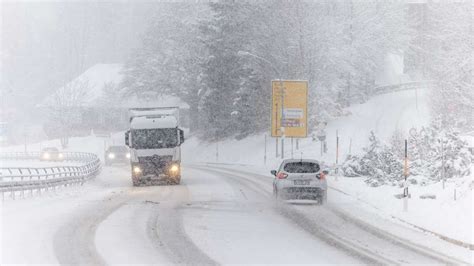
154,138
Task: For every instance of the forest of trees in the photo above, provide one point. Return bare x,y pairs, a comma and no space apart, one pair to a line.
219,57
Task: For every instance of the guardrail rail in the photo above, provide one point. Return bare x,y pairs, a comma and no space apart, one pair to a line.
23,179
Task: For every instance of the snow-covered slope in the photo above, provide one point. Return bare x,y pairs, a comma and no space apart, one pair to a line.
384,114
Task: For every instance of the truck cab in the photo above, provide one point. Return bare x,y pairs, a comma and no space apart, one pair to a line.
154,139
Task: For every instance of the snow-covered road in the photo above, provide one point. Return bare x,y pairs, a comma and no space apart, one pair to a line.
215,216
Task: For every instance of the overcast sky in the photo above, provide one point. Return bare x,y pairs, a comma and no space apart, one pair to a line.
46,44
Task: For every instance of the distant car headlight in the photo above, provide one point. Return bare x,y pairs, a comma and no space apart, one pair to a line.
111,156
60,156
137,170
127,155
174,168
46,156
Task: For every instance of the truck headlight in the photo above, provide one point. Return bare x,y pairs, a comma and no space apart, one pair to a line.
128,155
137,170
174,168
111,156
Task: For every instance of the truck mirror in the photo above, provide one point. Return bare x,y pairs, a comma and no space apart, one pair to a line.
127,138
181,136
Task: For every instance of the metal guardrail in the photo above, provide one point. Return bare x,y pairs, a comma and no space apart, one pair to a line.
401,86
21,179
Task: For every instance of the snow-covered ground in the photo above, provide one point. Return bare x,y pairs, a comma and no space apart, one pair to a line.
221,218
382,114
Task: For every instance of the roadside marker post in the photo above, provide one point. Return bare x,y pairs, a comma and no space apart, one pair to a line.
337,151
405,173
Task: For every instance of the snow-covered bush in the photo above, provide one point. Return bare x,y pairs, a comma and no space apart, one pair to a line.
434,153
438,153
379,164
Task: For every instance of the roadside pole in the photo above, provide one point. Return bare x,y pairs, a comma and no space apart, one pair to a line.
265,152
337,151
292,148
405,173
276,130
282,127
443,173
350,146
283,147
276,147
217,152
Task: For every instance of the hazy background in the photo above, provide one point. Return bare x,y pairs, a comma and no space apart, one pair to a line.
47,44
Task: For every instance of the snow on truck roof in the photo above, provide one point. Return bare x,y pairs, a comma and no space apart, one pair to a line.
154,121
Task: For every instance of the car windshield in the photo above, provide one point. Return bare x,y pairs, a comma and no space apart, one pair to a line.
154,138
118,149
301,167
50,149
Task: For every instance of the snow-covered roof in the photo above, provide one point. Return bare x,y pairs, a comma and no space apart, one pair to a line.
88,89
143,122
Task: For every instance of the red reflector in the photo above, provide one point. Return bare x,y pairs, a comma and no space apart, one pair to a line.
281,175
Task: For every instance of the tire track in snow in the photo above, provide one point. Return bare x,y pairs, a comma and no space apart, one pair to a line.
376,257
74,242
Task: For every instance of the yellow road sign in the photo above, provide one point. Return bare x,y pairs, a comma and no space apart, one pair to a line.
295,108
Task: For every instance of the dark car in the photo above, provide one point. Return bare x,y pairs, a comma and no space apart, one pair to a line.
51,154
117,154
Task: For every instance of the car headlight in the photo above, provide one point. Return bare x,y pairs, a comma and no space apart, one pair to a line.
60,156
137,170
128,155
174,168
46,156
111,156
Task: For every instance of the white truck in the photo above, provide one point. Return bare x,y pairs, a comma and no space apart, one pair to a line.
154,139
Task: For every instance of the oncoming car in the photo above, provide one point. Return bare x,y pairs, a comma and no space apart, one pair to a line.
117,154
300,179
51,154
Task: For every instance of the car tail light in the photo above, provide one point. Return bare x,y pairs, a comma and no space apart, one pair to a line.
281,175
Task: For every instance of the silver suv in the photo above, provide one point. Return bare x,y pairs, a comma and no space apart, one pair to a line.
300,179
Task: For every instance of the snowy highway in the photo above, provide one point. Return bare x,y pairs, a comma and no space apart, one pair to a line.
216,216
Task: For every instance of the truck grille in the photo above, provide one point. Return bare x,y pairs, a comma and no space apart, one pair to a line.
154,164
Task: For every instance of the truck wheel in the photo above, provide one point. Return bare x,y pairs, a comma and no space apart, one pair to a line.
136,182
176,180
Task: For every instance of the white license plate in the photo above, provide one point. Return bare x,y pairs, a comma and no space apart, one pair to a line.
301,182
